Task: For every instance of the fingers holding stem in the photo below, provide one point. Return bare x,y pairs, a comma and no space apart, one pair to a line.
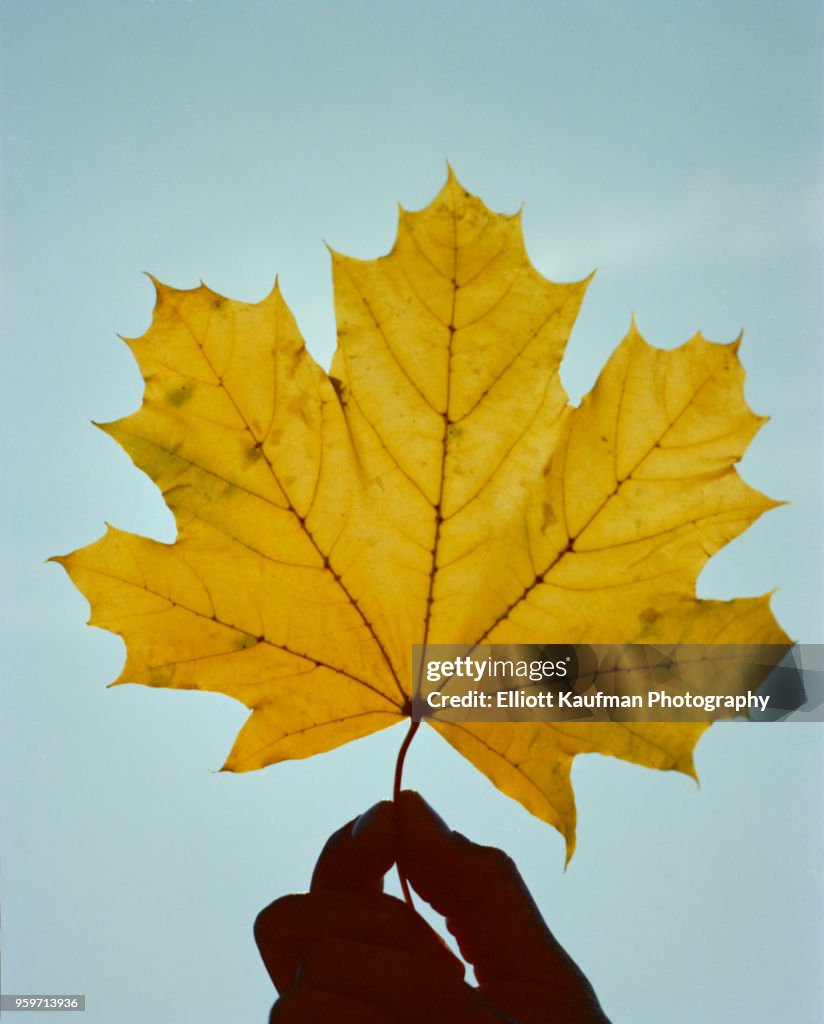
396,791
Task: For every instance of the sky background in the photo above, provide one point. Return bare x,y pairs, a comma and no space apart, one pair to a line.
675,147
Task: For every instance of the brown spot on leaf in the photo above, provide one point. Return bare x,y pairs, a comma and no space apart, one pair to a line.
180,395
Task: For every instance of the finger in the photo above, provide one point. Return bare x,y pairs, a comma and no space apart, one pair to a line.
309,1006
487,907
290,927
412,987
358,855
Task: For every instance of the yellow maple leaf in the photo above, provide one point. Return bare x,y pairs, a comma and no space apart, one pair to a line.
436,487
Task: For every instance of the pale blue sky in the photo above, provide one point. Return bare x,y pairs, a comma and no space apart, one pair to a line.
677,147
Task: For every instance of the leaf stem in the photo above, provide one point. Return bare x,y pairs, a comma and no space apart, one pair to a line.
396,790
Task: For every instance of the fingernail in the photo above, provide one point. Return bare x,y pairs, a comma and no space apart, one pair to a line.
368,818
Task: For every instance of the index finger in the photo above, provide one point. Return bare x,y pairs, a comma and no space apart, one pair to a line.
360,853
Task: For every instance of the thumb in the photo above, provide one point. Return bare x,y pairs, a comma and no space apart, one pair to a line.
478,889
491,913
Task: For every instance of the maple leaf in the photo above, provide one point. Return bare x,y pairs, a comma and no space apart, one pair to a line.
436,487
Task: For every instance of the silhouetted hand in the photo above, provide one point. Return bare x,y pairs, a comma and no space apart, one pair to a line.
346,953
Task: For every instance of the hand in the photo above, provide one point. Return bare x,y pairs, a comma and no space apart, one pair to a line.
346,952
